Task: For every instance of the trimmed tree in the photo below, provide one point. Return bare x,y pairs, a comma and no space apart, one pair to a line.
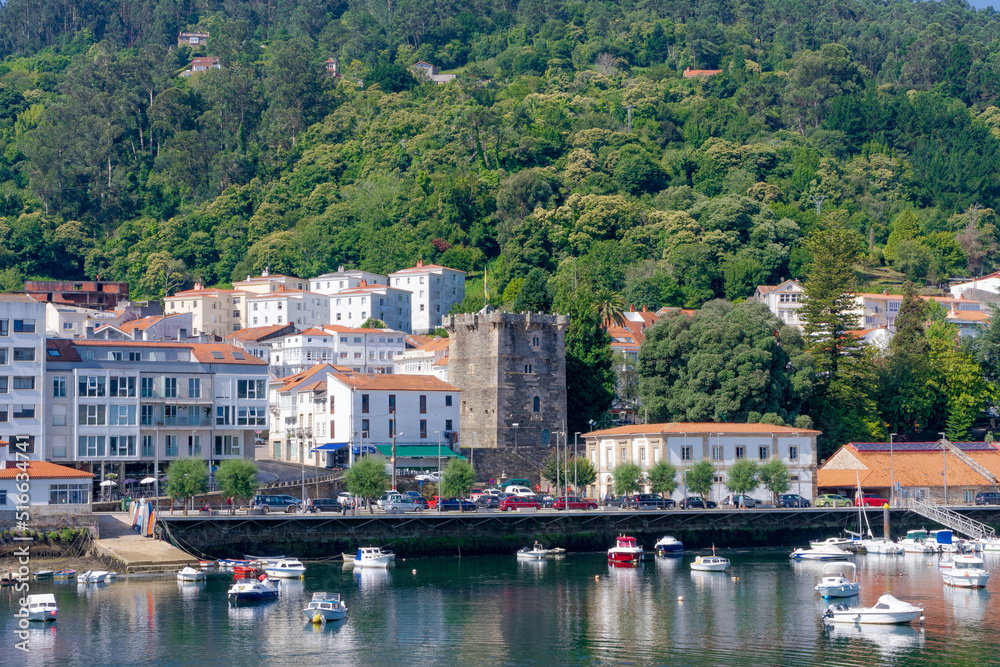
584,471
774,476
237,478
628,478
663,478
458,479
742,477
367,478
187,478
700,478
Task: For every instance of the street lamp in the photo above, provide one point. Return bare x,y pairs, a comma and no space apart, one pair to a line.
944,458
892,478
440,498
576,439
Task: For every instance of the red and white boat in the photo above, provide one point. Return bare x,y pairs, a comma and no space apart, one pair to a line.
625,551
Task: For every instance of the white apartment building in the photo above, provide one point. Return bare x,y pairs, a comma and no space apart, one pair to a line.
129,407
783,300
155,327
987,283
268,282
22,372
258,340
331,283
352,307
215,312
73,321
684,444
880,310
431,358
301,308
361,350
435,289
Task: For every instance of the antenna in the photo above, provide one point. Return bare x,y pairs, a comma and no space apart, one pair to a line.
818,200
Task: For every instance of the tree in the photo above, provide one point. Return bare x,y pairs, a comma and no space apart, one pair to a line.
187,478
700,477
367,478
774,476
904,228
663,478
237,478
582,470
610,307
628,478
373,323
391,78
535,296
458,479
743,477
590,378
553,470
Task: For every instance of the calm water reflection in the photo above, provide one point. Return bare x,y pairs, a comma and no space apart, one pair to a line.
490,611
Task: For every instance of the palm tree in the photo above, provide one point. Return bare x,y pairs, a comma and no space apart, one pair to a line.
610,307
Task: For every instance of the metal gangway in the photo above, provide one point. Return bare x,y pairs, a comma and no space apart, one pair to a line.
951,519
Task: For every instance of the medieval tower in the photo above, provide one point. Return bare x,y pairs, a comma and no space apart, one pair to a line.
511,369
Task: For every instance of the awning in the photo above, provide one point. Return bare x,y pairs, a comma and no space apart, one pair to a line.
418,451
330,447
364,449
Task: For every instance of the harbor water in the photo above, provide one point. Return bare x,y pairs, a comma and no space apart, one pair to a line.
500,611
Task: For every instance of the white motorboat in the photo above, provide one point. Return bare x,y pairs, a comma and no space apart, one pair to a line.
988,544
668,545
253,590
820,553
325,607
711,563
887,611
372,557
94,577
835,585
915,542
843,543
42,607
536,552
880,545
966,572
286,568
625,552
945,562
942,540
190,574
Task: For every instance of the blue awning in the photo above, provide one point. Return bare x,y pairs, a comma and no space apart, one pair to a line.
365,449
330,447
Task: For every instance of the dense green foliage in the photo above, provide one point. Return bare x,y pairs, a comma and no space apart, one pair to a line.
187,478
774,477
663,478
698,478
743,476
367,478
458,479
627,478
237,478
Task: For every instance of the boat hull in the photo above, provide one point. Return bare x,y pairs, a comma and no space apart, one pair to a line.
253,596
965,580
285,573
875,618
532,555
379,562
324,615
839,591
624,557
42,616
807,555
710,567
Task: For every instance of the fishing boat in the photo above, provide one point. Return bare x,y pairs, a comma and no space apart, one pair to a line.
842,543
820,553
207,564
988,544
711,563
668,545
42,574
65,574
966,572
262,561
915,542
42,607
253,590
231,563
93,577
942,541
188,573
245,572
887,611
286,568
625,552
880,545
536,552
325,607
835,584
373,557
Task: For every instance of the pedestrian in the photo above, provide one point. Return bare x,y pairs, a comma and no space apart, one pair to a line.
607,499
229,504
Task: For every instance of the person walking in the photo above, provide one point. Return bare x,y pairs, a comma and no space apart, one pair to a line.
229,504
607,499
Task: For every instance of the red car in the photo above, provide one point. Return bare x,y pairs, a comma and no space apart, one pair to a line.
517,502
870,501
572,503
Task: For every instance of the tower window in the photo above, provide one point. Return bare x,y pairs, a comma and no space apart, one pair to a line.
537,406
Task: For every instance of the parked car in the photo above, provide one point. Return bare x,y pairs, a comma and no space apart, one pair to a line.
494,492
515,481
429,477
277,503
650,501
519,490
387,498
988,498
324,505
491,502
401,503
697,502
420,501
792,500
833,500
870,501
617,501
457,504
573,503
475,493
414,494
518,502
740,500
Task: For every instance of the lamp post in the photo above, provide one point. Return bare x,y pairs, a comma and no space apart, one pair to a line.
392,425
440,498
892,478
565,465
576,439
944,459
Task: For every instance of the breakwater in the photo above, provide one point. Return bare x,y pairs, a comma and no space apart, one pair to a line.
431,534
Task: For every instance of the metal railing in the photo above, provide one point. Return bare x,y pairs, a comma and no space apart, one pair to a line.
946,517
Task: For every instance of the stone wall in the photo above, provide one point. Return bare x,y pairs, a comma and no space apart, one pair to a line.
502,362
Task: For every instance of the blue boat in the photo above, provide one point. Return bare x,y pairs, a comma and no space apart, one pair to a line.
253,590
668,545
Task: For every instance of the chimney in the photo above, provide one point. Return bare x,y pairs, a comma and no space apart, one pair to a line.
644,309
363,283
420,263
885,292
199,286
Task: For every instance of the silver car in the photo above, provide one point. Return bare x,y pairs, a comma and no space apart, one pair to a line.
404,504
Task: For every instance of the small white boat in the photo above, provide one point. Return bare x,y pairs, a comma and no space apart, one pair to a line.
945,562
94,577
835,585
42,607
880,545
536,552
42,574
190,574
844,543
372,557
286,568
915,542
668,545
253,590
887,611
942,540
989,544
711,563
625,552
820,553
966,572
325,607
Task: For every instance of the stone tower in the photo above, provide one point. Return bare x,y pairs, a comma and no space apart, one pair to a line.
511,369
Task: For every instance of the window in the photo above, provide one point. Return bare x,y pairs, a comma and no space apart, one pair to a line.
4,331
135,356
447,400
534,341
392,429
364,428
92,415
115,355
69,494
24,326
527,368
223,415
423,404
123,387
364,403
121,445
250,417
793,452
58,415
423,428
194,387
145,415
763,452
146,387
332,405
536,405
91,385
23,354
87,355
194,445
717,452
3,356
24,382
642,454
392,404
447,425
624,455
4,414
169,387
741,452
90,445
147,446
3,384
685,453
170,443
122,415
251,389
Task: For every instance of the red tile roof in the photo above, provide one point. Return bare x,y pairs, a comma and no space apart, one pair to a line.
43,470
700,427
688,72
906,468
213,292
202,352
393,382
256,333
421,267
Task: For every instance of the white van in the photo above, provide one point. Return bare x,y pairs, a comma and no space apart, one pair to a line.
388,497
519,491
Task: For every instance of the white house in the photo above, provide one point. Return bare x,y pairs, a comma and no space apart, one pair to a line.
287,306
435,290
73,321
270,282
352,307
258,340
987,283
783,300
332,283
431,358
22,373
52,490
684,444
880,310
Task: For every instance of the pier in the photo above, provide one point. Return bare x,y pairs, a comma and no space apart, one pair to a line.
127,551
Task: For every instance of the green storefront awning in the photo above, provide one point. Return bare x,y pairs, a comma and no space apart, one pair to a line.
418,451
